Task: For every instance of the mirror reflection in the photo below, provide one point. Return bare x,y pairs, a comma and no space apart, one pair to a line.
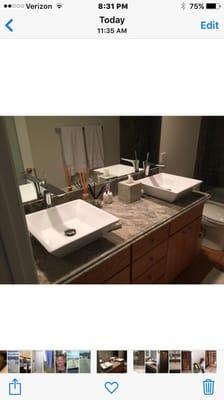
62,154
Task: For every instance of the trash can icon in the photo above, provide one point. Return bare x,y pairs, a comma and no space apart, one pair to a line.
208,387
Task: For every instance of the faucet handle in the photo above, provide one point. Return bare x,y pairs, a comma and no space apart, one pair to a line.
160,165
135,163
47,198
128,160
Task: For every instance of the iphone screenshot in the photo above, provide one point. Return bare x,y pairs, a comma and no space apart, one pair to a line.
111,200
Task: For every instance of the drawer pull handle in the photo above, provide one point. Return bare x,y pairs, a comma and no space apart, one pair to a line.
187,229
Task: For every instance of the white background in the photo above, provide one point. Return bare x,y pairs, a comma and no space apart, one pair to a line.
90,77
112,317
107,77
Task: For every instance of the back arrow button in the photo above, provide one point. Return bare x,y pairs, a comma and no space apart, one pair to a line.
8,25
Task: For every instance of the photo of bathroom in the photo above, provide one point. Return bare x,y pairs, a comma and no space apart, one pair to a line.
3,362
25,360
112,362
123,199
174,362
163,362
151,361
139,361
186,359
210,361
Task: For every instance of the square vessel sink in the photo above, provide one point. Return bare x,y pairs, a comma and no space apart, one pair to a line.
168,187
69,226
116,170
28,192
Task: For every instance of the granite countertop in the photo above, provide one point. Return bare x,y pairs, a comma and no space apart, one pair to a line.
138,218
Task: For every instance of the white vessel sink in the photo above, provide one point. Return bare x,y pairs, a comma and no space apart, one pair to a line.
116,170
28,192
168,187
51,226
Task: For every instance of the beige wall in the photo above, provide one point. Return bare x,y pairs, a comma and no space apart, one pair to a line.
179,139
45,144
24,142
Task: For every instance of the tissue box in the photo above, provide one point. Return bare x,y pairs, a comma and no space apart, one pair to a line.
129,192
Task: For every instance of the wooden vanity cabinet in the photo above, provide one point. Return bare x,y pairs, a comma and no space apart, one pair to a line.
149,242
122,277
146,263
158,257
149,257
186,218
183,241
162,255
182,249
155,274
115,269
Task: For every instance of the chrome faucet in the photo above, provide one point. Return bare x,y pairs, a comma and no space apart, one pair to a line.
37,182
48,199
135,163
159,165
147,165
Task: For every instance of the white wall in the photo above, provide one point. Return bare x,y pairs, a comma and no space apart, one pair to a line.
179,139
24,142
46,149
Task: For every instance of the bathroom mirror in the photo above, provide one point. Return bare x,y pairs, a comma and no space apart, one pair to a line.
37,145
55,149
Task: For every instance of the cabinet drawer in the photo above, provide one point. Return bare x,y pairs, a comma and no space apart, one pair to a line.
122,277
149,242
155,274
182,250
107,269
186,219
144,263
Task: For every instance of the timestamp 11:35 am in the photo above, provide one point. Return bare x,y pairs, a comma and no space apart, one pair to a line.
112,30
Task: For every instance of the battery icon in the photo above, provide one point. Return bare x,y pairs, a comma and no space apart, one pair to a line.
213,6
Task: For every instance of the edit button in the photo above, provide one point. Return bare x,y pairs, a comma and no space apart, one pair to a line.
211,25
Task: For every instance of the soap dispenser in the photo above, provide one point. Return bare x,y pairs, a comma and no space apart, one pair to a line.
108,195
129,190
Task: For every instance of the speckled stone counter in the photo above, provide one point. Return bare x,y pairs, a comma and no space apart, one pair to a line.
138,219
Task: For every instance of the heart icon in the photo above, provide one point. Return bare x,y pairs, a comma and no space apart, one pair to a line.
111,387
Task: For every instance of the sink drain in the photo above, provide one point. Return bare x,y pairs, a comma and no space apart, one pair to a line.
70,232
